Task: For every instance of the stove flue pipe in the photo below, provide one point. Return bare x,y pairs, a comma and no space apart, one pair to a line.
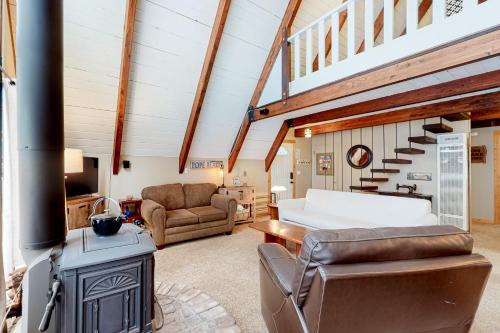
40,124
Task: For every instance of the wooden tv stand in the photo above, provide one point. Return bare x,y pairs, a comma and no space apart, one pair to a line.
79,209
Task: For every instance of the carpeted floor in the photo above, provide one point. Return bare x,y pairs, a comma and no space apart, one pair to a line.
226,268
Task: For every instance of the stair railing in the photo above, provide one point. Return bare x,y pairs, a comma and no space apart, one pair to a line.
314,34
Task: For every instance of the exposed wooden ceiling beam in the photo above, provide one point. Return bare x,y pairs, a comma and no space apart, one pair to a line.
493,114
447,89
277,144
128,34
208,63
286,23
465,51
12,36
466,104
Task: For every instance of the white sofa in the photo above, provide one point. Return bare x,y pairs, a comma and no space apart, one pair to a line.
322,209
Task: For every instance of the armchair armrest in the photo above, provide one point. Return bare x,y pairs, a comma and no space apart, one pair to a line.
279,264
154,216
228,205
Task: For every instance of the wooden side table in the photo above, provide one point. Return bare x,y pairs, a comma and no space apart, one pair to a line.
133,206
272,208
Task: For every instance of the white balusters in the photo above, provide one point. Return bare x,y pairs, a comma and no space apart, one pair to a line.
335,38
351,29
368,24
411,16
296,43
321,44
388,20
309,51
438,11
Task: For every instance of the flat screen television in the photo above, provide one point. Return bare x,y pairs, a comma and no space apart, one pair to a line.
86,182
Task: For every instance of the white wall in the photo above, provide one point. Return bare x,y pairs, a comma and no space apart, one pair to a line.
147,171
482,177
340,142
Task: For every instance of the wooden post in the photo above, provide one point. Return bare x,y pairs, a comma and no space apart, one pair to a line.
285,66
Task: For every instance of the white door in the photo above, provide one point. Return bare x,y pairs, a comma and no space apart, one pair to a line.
282,173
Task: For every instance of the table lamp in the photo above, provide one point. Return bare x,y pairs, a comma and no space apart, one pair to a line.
73,160
277,189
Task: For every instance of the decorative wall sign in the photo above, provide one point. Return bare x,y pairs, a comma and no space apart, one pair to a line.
203,164
426,176
478,154
324,164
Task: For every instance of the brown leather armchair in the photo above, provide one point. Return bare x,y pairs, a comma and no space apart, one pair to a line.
418,279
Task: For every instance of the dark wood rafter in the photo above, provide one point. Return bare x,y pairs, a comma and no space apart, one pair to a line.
280,137
447,89
471,104
11,35
465,51
286,24
208,63
493,114
128,34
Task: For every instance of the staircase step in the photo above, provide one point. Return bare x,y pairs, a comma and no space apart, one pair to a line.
396,161
409,151
438,128
364,188
374,179
457,116
385,170
423,140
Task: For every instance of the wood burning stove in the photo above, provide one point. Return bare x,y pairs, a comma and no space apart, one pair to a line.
106,282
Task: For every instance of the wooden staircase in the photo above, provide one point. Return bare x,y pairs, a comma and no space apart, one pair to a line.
374,179
423,140
409,151
396,161
384,170
436,128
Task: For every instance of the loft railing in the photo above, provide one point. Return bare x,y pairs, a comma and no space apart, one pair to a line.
354,47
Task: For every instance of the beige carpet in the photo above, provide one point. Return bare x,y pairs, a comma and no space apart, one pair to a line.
226,268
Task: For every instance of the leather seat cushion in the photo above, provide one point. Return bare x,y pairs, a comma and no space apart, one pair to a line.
208,213
180,217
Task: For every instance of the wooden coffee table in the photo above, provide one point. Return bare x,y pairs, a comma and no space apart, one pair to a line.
280,232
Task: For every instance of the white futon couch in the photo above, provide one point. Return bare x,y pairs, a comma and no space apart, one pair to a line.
322,209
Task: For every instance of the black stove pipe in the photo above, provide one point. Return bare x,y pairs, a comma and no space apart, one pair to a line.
40,123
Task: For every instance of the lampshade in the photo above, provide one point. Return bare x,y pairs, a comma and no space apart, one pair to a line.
278,188
73,160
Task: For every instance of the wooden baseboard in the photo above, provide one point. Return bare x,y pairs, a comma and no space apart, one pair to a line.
482,221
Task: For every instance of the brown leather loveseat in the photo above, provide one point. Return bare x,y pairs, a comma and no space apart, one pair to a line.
176,212
417,279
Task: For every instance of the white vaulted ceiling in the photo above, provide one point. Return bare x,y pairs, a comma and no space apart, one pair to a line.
170,42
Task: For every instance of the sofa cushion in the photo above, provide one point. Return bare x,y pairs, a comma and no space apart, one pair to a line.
197,195
170,196
317,220
180,217
378,209
208,213
349,246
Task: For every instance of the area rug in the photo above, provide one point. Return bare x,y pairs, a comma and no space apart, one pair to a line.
188,309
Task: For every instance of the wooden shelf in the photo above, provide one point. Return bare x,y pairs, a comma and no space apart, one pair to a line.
364,188
457,116
396,161
385,170
423,140
374,179
409,151
437,128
